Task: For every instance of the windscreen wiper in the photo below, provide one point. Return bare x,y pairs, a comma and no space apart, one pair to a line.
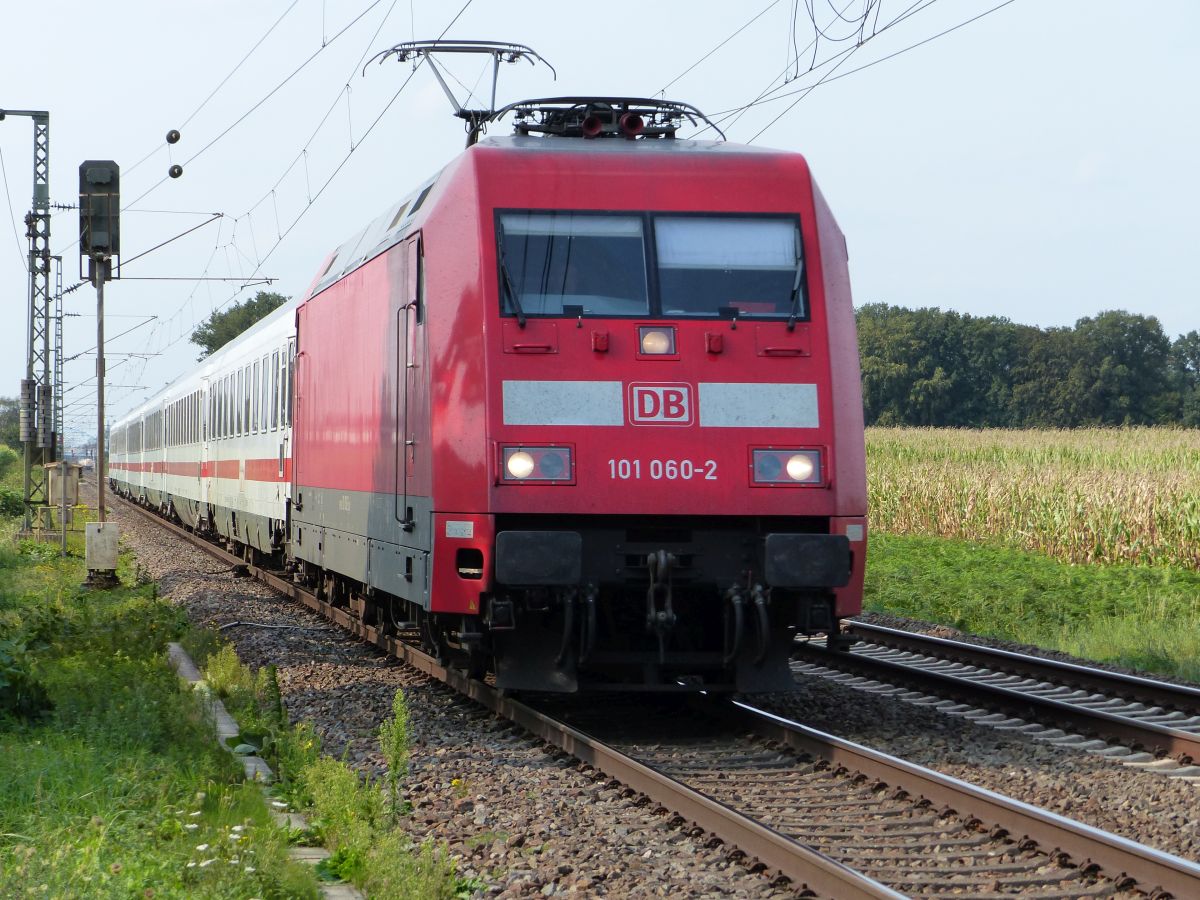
795,312
506,278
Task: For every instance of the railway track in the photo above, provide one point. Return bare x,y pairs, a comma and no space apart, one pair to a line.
834,818
974,680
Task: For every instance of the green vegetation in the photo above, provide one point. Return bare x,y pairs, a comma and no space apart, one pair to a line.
1085,541
393,741
358,820
12,492
10,422
1138,616
224,325
1101,495
111,784
929,367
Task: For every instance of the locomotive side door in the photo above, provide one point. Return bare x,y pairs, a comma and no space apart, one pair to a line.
408,316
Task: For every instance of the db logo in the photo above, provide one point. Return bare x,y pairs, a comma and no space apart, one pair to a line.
660,404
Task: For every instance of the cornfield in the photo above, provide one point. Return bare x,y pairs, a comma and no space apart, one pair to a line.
1083,496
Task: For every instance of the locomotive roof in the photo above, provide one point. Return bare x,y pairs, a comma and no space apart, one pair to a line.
557,144
396,221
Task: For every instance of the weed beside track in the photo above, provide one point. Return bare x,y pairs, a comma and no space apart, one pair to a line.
111,784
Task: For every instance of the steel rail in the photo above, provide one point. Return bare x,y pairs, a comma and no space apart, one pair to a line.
1182,745
1136,687
803,865
1118,858
1151,869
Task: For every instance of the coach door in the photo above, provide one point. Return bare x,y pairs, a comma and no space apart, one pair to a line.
204,403
407,319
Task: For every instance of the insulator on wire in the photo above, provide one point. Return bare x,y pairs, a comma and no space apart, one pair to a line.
45,419
27,409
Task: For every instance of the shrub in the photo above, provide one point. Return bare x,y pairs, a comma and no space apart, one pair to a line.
202,643
8,459
21,695
11,502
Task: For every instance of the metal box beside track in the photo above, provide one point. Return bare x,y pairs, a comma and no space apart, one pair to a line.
101,546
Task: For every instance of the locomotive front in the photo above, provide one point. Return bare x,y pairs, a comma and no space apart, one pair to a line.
674,451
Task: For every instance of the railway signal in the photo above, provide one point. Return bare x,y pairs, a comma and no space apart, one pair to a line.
100,241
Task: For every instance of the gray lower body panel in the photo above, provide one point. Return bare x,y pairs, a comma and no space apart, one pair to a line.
359,535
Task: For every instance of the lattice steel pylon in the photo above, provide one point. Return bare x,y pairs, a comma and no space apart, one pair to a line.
37,394
60,434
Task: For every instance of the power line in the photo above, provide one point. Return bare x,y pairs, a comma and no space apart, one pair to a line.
271,93
270,194
737,112
663,90
12,215
214,91
284,233
804,94
830,77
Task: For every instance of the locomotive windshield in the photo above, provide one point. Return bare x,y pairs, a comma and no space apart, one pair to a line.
568,263
560,259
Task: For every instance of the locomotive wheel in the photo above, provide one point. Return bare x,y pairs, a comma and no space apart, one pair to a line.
432,638
477,663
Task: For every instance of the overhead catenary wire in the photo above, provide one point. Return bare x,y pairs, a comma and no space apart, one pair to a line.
314,196
830,77
271,93
250,281
782,78
12,215
663,90
221,84
771,93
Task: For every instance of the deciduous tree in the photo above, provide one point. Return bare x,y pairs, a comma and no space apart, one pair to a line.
223,326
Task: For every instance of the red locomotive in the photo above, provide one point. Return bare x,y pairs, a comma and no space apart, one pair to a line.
585,408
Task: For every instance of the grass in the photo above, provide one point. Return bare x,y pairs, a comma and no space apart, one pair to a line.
111,784
361,821
1128,495
1083,541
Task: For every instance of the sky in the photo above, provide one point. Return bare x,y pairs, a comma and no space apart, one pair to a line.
1037,163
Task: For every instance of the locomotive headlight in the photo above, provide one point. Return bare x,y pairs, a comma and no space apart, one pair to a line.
786,467
537,464
552,464
519,464
657,341
801,466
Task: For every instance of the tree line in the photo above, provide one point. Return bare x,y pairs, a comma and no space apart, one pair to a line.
943,368
935,367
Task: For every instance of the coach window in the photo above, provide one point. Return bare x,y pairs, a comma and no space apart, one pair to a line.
283,386
245,407
275,390
730,266
253,406
290,387
552,260
264,395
